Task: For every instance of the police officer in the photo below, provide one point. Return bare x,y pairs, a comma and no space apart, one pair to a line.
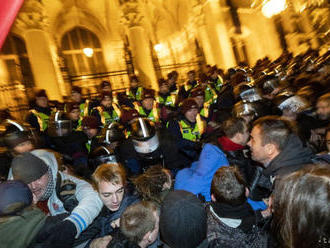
134,92
198,95
73,111
108,111
166,101
77,98
188,129
148,107
39,115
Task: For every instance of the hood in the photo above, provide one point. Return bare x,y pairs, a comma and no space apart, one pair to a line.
293,154
49,159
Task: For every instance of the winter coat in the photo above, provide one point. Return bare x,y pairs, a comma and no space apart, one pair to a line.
89,205
198,178
293,157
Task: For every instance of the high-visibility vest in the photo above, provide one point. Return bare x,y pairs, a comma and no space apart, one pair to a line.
136,96
153,115
106,118
42,119
192,134
169,101
205,110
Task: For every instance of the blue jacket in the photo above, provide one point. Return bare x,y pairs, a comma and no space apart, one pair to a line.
198,178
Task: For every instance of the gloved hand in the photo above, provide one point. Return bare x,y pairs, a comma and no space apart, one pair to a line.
62,235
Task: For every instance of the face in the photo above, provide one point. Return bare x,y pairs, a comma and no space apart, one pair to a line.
258,150
38,187
148,103
90,132
199,100
191,115
191,76
134,84
76,97
323,110
111,194
74,115
163,89
42,101
26,146
106,102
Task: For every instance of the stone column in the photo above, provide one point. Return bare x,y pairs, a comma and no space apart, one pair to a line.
139,43
41,49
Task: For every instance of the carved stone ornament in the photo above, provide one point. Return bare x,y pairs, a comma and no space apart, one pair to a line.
197,16
132,15
32,16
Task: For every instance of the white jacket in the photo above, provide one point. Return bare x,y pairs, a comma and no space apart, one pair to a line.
89,202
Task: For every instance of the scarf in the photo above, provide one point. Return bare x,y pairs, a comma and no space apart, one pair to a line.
50,186
228,145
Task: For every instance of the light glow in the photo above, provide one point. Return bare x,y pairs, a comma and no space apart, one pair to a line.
158,47
88,51
273,7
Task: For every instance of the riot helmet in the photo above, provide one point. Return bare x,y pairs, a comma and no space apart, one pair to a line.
247,93
246,110
112,133
59,124
15,133
293,103
145,138
102,154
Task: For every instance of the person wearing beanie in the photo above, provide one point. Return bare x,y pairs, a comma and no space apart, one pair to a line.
108,111
39,115
128,115
204,107
148,107
73,112
183,221
91,126
188,129
134,92
76,97
165,100
56,192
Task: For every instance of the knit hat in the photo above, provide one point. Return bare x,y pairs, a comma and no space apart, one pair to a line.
14,196
188,104
148,93
76,89
106,94
197,92
128,114
41,93
183,220
90,122
105,83
161,82
28,168
71,106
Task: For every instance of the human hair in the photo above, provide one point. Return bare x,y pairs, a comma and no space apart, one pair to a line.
301,203
138,219
233,125
150,184
274,130
111,172
325,98
228,186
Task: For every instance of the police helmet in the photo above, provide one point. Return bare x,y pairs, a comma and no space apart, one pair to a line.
59,124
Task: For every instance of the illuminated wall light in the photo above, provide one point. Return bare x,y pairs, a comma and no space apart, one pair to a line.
88,51
273,7
158,47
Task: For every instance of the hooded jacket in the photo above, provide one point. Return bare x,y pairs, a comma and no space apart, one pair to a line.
89,204
293,157
198,178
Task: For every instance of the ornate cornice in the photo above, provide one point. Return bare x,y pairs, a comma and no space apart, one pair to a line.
32,16
132,15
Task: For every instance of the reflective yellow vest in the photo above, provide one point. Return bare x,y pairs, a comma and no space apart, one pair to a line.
153,115
192,134
106,118
42,119
136,96
169,101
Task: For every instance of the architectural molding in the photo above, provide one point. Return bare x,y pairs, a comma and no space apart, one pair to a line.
132,14
32,16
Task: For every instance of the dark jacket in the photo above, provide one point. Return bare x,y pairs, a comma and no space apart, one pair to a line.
101,225
241,230
293,157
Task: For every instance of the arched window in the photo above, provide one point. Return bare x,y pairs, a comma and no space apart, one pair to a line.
15,56
78,63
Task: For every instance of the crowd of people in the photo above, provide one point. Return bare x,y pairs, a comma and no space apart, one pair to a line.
236,158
